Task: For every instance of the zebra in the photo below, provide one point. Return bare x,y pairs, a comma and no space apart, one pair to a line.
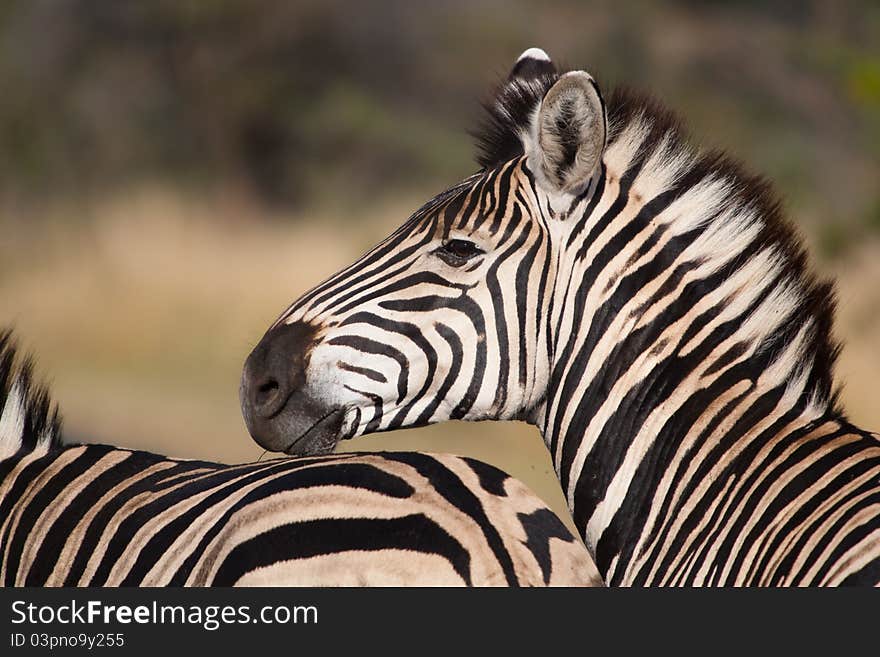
643,302
96,515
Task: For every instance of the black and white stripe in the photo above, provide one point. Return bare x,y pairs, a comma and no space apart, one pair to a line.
643,303
95,515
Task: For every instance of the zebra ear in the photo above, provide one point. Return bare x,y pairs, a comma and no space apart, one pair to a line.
568,134
532,63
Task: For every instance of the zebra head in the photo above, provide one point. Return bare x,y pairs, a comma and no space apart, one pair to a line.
449,317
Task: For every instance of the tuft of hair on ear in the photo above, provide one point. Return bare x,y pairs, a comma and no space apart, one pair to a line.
508,112
508,109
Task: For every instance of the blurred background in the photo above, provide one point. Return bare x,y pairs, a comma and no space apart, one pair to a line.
174,173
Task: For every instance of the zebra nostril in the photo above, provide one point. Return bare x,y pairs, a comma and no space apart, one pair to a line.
268,396
273,372
268,388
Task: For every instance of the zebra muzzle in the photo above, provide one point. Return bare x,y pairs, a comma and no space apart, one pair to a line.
280,412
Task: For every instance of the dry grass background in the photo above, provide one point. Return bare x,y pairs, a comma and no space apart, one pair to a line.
142,309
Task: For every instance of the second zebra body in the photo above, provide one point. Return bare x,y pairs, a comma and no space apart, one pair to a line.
96,515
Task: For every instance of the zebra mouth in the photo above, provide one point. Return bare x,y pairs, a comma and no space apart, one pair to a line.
281,412
320,438
302,426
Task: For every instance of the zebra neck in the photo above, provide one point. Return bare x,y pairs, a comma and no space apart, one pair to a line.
677,346
629,473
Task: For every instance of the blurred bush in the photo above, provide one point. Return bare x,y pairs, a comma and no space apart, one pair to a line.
301,103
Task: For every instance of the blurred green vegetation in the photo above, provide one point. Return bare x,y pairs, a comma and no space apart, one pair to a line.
307,103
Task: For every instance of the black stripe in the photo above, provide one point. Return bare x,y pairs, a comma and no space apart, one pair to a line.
414,334
448,484
403,284
504,181
17,533
523,302
695,514
492,480
581,223
160,496
797,486
359,268
331,536
474,313
457,350
853,537
378,403
868,575
367,346
497,297
361,476
540,527
373,375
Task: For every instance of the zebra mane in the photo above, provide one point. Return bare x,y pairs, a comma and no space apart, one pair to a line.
29,420
507,115
748,193
498,140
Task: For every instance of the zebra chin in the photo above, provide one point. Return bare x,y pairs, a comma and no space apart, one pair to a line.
303,427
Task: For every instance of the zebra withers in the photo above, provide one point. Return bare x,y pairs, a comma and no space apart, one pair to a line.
95,515
643,302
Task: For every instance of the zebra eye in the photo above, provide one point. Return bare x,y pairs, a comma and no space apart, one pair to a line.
458,252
